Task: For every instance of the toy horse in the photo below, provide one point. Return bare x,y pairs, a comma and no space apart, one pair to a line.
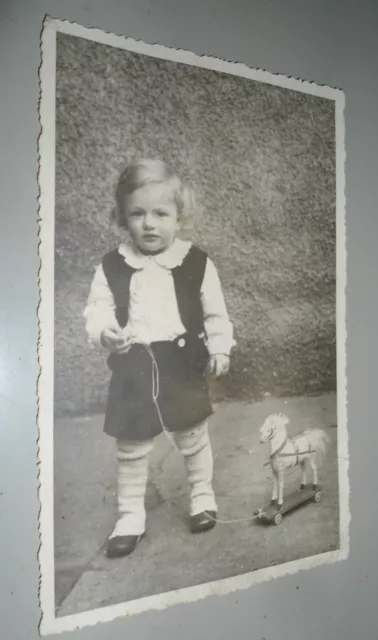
288,452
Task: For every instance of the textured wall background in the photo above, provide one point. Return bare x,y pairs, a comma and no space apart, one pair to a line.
261,159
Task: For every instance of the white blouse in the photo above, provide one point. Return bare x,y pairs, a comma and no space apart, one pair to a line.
153,310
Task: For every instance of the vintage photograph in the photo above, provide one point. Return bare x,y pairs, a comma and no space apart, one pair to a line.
192,404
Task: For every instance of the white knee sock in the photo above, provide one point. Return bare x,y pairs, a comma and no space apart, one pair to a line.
132,481
195,447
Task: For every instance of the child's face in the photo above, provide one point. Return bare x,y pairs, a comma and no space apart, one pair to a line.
152,218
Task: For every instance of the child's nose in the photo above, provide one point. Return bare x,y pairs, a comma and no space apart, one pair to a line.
148,221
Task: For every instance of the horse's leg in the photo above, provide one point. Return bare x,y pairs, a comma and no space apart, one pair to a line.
281,475
303,475
275,488
314,470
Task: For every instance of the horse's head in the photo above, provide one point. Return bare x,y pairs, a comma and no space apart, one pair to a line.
274,423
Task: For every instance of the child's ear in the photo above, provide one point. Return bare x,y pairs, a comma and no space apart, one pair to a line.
189,201
119,218
123,222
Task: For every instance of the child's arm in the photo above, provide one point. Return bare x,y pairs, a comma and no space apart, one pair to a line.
219,329
99,312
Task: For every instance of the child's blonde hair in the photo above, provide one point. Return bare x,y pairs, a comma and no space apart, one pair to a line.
141,173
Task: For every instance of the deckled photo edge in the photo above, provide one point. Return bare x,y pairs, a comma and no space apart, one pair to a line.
188,595
46,183
341,329
45,313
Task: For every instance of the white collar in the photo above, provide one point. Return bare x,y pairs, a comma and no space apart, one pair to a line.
171,258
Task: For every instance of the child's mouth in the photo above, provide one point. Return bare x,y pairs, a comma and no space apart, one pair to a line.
150,237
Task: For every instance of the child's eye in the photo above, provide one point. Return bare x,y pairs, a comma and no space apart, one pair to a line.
136,214
161,214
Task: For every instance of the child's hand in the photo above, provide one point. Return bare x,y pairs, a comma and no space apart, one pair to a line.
112,338
219,364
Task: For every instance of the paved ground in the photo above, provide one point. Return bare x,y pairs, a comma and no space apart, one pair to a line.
170,557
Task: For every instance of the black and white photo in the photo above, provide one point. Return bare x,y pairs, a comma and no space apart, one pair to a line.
192,389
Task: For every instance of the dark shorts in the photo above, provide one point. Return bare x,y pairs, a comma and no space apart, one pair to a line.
183,392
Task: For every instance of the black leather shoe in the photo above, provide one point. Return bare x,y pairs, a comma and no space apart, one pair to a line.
203,521
120,546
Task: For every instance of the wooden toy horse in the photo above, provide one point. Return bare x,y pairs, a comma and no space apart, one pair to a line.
287,452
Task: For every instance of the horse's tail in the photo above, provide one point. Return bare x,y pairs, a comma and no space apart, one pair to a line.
319,441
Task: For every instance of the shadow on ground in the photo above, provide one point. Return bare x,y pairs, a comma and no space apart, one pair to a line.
170,557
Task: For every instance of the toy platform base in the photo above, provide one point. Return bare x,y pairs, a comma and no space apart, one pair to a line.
274,514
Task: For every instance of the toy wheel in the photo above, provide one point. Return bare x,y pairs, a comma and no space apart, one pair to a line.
317,496
277,518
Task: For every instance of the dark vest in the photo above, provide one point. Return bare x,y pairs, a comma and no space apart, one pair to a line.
187,277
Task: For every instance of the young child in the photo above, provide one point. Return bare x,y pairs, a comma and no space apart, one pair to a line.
157,299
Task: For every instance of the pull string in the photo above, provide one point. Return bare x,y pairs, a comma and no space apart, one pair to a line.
155,398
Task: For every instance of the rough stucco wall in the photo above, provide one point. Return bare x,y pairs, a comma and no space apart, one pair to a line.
261,159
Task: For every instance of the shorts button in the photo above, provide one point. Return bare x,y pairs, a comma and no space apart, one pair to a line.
181,342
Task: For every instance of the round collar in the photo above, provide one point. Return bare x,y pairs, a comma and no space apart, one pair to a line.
170,258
